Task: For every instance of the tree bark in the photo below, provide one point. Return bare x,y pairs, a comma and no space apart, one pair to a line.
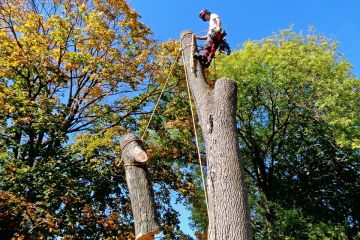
227,200
140,189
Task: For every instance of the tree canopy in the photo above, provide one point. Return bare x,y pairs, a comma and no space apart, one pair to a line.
299,132
76,75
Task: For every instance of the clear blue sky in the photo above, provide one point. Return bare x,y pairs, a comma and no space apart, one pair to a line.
256,19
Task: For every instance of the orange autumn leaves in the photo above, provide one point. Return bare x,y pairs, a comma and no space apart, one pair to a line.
94,43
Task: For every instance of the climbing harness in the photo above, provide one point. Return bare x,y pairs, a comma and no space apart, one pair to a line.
216,40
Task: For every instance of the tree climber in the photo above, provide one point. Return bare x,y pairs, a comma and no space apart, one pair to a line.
215,38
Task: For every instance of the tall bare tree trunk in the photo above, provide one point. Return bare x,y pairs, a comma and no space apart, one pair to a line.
140,188
227,199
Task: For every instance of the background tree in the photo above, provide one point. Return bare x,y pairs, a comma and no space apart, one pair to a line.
75,74
72,79
299,133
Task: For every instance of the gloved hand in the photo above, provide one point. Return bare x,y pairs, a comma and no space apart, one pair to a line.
217,29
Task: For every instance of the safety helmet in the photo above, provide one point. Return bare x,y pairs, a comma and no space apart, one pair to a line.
203,13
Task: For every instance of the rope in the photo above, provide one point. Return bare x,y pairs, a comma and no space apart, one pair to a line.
196,135
192,53
161,93
119,163
191,109
134,164
215,67
167,79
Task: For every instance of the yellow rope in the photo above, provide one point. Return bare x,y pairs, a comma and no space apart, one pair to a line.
196,137
192,53
161,93
215,67
192,115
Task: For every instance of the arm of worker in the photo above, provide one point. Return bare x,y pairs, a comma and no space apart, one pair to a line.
201,37
218,24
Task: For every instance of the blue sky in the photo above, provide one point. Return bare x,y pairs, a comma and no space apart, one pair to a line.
254,20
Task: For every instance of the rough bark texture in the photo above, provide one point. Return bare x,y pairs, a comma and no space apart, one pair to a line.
227,199
140,189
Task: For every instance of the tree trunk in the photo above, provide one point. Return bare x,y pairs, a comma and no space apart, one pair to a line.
140,189
227,200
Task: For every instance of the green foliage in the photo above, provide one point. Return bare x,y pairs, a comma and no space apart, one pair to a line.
72,82
291,224
301,160
272,220
297,72
297,108
72,77
17,211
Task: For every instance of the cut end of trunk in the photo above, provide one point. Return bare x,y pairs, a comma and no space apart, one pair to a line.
141,157
138,153
134,147
185,32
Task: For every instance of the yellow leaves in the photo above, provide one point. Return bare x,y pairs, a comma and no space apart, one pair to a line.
83,40
95,91
59,29
5,94
20,237
6,101
89,145
31,25
85,48
11,167
355,143
179,123
7,47
68,6
23,120
113,8
111,221
98,31
126,101
87,209
95,19
77,61
6,42
12,9
26,212
131,23
83,8
28,48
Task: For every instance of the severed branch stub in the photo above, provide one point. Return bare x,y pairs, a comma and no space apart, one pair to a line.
140,188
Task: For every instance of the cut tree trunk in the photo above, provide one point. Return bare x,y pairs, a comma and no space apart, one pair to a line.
227,200
140,189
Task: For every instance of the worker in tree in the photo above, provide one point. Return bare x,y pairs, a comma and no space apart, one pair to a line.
215,38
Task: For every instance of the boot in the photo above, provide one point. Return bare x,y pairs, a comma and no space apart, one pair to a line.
224,47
